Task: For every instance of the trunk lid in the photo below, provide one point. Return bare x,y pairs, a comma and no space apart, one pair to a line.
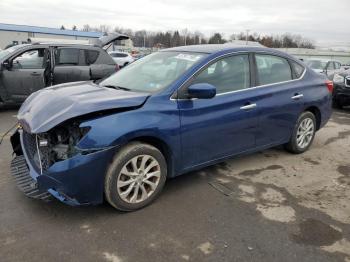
107,39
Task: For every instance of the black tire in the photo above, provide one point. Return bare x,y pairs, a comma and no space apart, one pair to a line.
126,63
121,159
292,146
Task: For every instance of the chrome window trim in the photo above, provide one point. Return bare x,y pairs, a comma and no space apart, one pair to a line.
241,90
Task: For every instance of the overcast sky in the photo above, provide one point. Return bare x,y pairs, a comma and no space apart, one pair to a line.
322,21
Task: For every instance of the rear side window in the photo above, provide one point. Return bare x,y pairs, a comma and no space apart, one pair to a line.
227,74
67,56
337,65
272,69
298,69
118,55
91,56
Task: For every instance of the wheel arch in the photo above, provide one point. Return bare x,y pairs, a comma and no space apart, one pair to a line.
161,145
317,113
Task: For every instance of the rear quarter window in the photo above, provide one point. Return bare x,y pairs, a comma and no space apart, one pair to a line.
298,69
91,56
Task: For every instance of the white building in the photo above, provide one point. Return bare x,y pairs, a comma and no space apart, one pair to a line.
303,53
20,34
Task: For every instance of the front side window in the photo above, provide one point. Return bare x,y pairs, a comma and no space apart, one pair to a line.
227,75
67,56
272,69
31,59
153,72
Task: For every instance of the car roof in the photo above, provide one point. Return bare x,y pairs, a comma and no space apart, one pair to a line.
117,52
322,60
214,48
57,45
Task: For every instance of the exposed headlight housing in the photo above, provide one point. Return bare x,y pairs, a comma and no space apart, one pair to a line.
338,79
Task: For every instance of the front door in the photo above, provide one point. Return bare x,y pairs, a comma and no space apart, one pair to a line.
224,125
26,74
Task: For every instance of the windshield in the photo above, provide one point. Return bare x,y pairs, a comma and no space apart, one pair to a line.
153,72
317,64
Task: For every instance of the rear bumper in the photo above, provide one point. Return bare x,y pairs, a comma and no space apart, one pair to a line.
75,181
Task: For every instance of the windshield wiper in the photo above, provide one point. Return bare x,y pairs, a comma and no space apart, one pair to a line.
117,87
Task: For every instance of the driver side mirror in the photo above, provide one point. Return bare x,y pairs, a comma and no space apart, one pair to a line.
6,65
202,91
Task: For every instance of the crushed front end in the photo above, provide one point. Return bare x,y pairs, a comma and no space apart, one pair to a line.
51,164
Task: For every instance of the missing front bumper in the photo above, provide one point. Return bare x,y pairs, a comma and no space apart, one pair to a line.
25,182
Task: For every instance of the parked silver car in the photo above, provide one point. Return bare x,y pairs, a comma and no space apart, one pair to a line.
325,66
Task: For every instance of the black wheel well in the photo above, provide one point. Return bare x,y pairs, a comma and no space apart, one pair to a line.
317,114
161,146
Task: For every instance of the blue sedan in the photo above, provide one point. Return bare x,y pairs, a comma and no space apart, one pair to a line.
164,115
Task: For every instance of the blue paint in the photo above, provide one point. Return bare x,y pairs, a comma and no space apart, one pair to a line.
194,132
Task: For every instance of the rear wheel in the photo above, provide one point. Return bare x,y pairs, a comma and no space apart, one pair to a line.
136,177
303,133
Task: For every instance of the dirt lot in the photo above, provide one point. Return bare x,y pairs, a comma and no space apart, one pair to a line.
269,206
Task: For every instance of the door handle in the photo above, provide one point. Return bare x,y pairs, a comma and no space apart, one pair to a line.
247,107
35,74
297,96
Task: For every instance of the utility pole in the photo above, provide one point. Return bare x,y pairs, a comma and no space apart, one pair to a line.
185,33
246,37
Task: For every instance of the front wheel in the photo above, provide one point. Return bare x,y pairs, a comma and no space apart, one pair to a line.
136,176
303,133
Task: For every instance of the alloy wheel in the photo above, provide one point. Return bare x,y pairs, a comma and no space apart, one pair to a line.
138,179
305,132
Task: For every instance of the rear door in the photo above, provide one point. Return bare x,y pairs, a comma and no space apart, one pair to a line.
279,97
27,73
70,65
224,125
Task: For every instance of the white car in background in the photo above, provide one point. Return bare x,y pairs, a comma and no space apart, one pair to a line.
121,58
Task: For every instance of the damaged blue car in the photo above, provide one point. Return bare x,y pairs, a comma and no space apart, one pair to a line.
169,113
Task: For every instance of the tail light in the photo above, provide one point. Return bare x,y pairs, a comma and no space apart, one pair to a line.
330,86
117,68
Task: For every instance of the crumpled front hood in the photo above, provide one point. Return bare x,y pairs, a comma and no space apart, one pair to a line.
51,106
